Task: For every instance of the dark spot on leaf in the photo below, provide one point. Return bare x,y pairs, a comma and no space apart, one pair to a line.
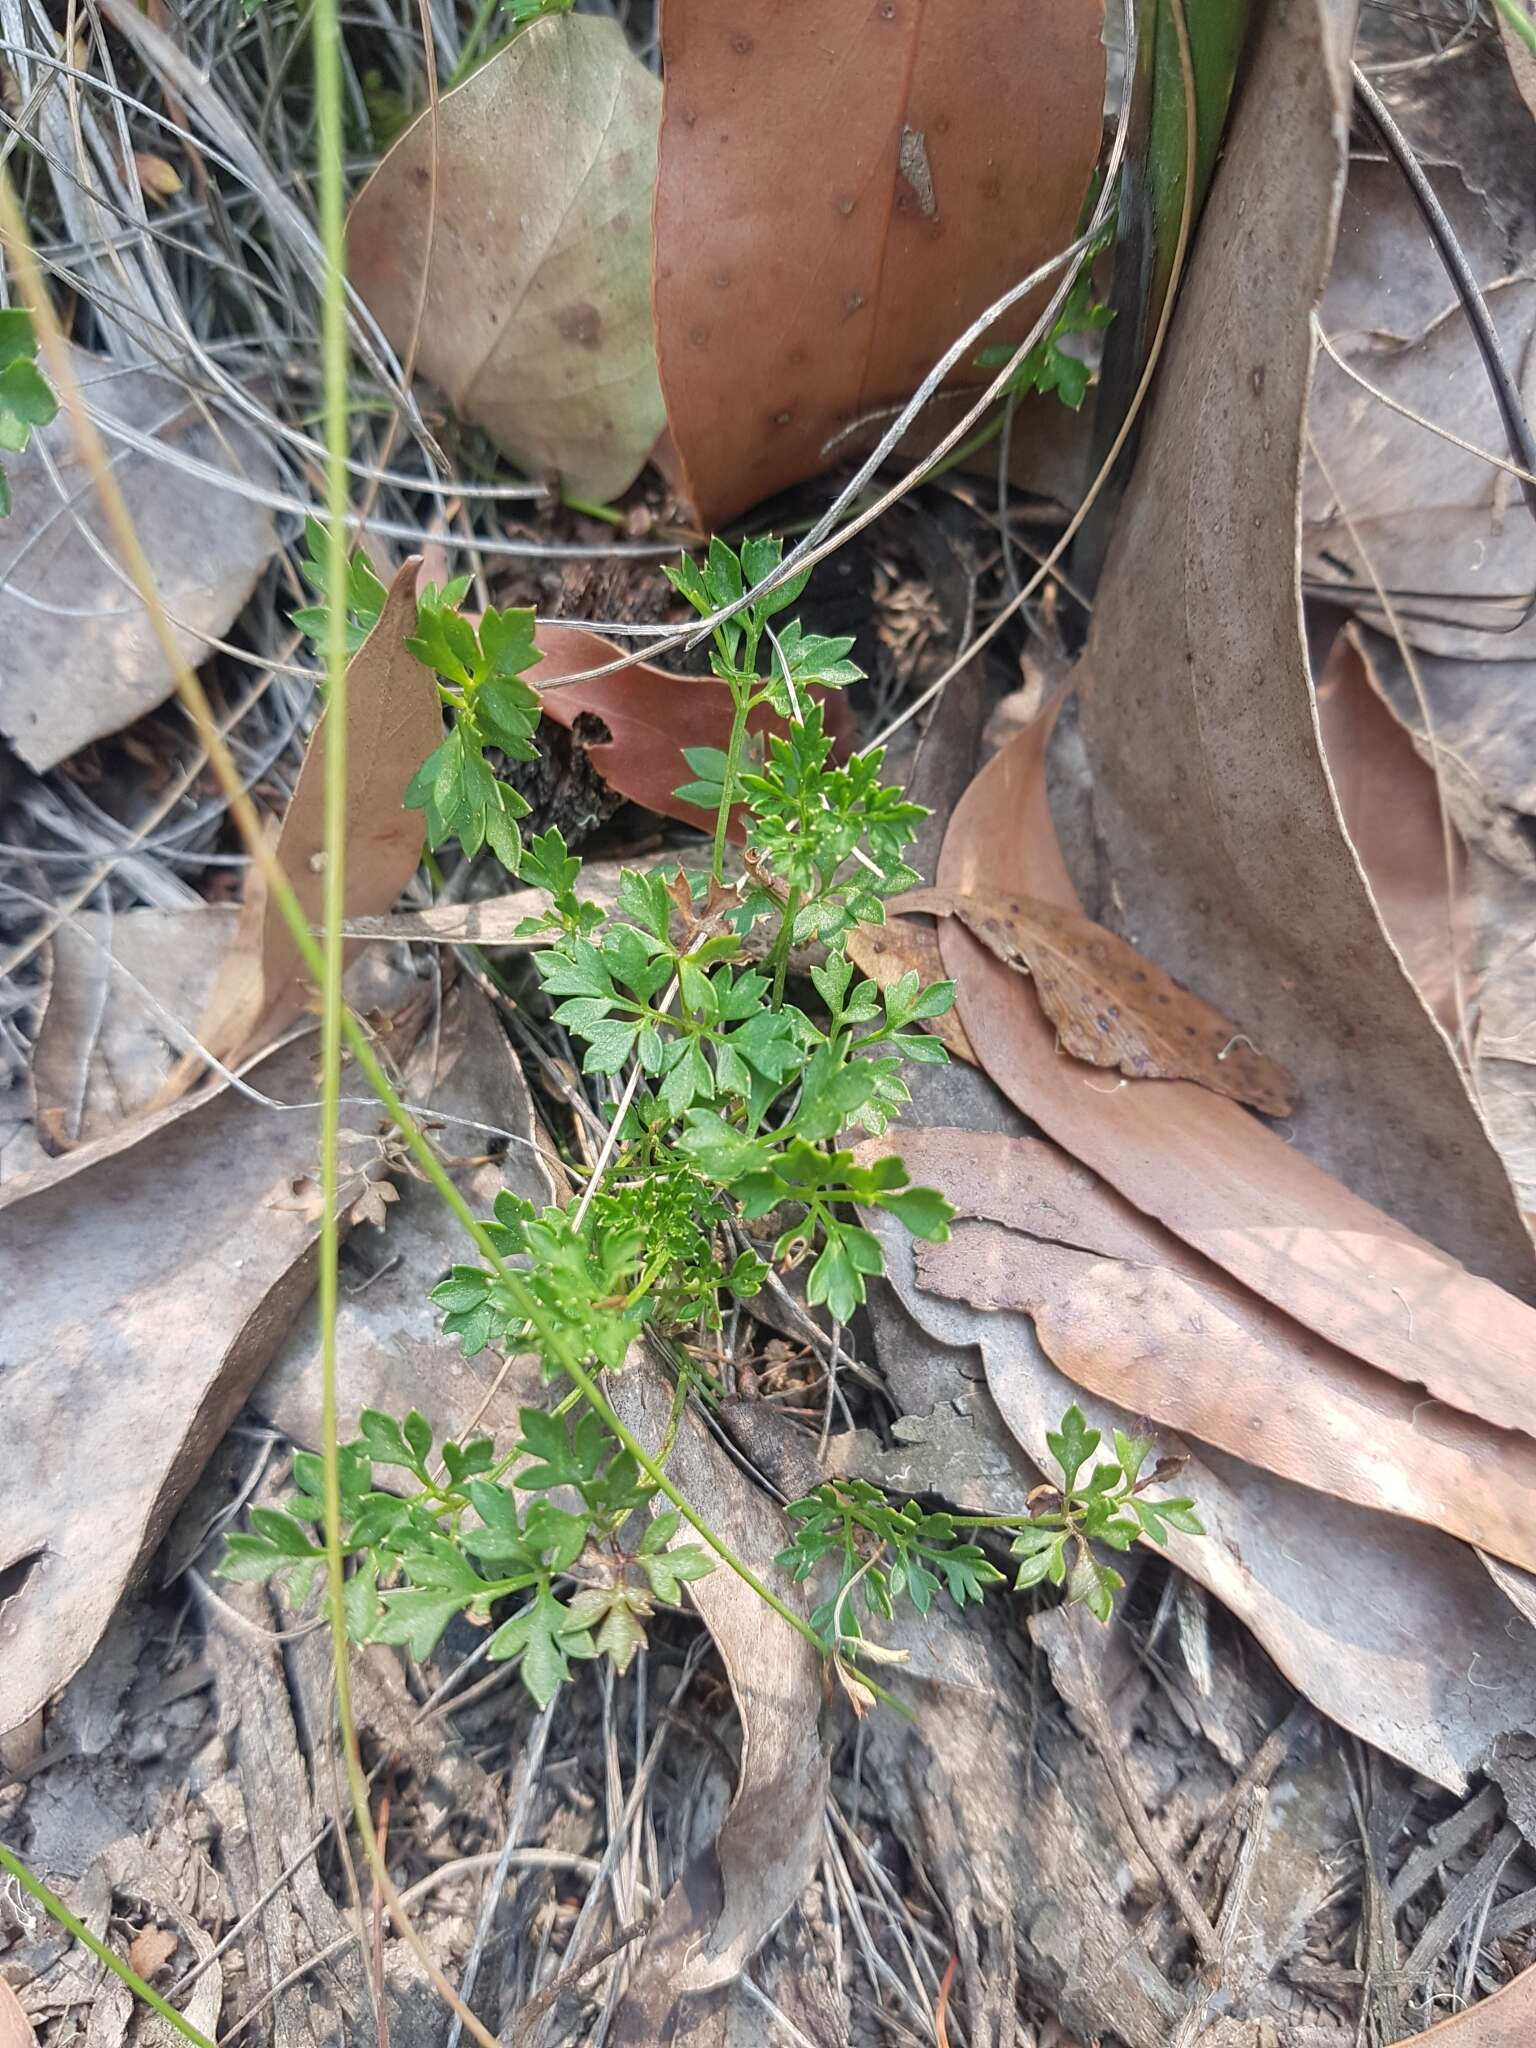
742,45
580,323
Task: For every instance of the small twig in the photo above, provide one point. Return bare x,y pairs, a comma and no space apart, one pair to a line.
1078,1683
541,2001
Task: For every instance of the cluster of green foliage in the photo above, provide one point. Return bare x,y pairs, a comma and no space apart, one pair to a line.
26,397
1048,366
734,1116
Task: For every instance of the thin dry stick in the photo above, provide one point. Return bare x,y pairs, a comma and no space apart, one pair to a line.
1407,412
521,2029
1087,1698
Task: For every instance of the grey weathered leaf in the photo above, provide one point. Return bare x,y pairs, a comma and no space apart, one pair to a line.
149,1277
81,658
537,315
121,984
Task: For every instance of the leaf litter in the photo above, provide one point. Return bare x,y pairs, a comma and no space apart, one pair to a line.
81,658
790,303
1428,1588
1111,1006
394,722
536,315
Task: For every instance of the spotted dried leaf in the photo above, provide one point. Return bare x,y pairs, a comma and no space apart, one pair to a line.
1111,1006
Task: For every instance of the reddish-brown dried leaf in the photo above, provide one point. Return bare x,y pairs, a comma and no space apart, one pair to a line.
15,2027
648,718
1111,1005
1507,2020
839,191
394,720
1228,1185
150,1950
1391,811
887,951
1128,1312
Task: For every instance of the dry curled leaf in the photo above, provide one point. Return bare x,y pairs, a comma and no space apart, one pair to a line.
78,668
1111,1006
635,723
1376,1620
15,2027
394,721
837,196
149,1277
150,1950
537,314
1225,1183
1506,2020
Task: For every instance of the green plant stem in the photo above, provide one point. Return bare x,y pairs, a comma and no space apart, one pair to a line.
782,944
1519,21
470,55
608,514
56,1909
1005,1522
599,1403
973,444
741,701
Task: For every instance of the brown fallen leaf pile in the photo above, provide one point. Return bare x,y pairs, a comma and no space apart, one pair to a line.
807,251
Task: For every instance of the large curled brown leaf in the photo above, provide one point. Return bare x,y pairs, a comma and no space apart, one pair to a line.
1212,804
1226,1184
1111,1005
394,721
1128,1312
837,196
634,725
537,317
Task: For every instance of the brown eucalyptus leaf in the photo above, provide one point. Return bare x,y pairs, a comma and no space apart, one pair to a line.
634,724
1413,859
1229,1186
1506,2020
737,1890
394,720
1218,826
15,2027
81,657
1128,1312
1111,1005
536,321
836,199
